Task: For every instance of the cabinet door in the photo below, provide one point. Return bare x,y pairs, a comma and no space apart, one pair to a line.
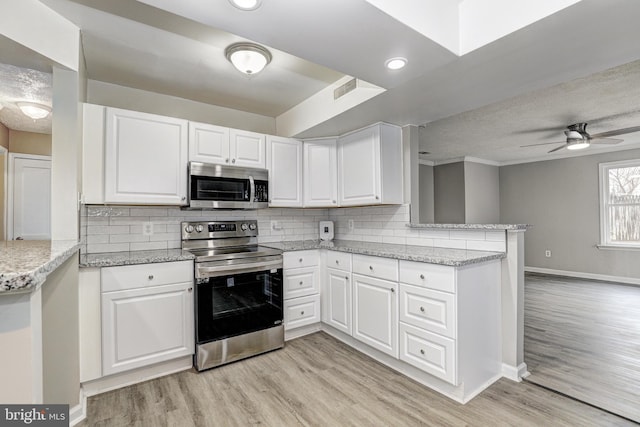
359,167
208,143
284,161
145,326
247,149
320,173
375,313
145,158
337,312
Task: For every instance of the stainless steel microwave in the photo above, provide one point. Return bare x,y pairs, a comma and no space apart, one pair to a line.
227,187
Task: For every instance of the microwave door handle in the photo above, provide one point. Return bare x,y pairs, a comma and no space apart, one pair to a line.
252,190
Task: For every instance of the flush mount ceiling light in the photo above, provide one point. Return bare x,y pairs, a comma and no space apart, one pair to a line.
396,63
34,110
577,145
248,58
246,4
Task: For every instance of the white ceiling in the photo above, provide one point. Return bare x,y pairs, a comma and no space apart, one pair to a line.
483,104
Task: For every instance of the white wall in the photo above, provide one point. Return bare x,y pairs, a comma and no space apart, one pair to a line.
481,193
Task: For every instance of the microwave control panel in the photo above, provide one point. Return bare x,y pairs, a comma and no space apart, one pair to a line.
261,191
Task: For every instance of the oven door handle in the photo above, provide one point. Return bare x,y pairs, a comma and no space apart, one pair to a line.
252,190
226,270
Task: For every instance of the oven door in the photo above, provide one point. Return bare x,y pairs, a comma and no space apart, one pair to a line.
237,302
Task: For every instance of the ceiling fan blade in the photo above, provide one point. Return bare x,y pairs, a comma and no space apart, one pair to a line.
556,149
606,141
543,143
616,132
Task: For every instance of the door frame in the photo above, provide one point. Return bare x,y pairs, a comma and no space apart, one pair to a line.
9,192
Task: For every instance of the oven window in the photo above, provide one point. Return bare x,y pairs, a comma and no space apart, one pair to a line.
238,304
219,189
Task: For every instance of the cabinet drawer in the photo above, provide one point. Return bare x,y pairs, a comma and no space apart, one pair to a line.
430,352
382,268
297,259
432,276
299,282
145,275
432,310
339,260
301,311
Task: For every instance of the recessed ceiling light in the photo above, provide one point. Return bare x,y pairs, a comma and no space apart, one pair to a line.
34,110
396,63
248,58
246,4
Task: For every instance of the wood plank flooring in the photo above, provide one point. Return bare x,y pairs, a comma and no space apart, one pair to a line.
582,338
319,381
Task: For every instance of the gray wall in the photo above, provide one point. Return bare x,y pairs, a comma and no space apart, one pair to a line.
482,193
560,199
425,186
448,191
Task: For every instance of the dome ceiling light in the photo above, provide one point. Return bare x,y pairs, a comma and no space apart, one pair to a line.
248,58
246,4
34,110
396,63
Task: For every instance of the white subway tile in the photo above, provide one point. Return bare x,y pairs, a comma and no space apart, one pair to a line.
487,246
435,234
394,240
148,246
466,235
496,236
97,238
447,243
418,241
150,211
128,238
107,247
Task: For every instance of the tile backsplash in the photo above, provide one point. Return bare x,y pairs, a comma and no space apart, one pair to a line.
120,228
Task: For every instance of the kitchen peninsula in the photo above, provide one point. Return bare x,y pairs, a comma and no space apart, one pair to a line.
38,301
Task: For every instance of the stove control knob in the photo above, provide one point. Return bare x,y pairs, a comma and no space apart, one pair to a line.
244,227
252,226
199,228
189,229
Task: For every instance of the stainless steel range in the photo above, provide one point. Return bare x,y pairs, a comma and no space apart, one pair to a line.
238,296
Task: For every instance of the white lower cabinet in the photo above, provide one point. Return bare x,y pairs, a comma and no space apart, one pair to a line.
337,298
301,275
147,315
375,313
430,352
301,311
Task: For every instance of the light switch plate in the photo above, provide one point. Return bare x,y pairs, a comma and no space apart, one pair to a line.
147,228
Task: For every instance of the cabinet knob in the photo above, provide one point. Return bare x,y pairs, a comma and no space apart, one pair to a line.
190,290
300,260
377,198
346,277
301,282
371,267
333,201
183,198
422,309
151,277
233,160
302,312
226,160
337,262
393,291
422,276
422,352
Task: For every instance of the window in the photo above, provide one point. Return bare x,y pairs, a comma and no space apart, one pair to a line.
620,203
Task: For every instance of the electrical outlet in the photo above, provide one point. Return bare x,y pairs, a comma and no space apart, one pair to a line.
351,225
275,225
147,228
547,253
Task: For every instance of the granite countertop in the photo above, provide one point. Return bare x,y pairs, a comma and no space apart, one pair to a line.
25,264
472,226
110,259
429,254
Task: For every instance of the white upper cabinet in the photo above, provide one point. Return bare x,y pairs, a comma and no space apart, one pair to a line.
208,143
145,158
320,173
93,154
284,161
247,149
370,166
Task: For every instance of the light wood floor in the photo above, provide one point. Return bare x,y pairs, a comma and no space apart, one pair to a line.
582,338
318,381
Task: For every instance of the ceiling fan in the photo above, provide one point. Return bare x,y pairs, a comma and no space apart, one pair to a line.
578,137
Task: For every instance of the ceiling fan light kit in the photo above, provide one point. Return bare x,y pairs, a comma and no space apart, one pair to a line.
34,110
248,58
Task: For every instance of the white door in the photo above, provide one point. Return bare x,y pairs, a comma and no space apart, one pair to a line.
145,158
284,161
359,167
247,149
375,313
320,173
208,143
29,207
338,299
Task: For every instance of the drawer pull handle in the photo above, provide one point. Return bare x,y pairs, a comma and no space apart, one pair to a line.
371,267
422,352
301,282
300,260
151,277
302,312
422,276
422,309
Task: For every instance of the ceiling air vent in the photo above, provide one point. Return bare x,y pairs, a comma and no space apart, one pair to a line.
344,89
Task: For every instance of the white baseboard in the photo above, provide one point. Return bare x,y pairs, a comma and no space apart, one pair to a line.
301,331
580,275
78,412
515,373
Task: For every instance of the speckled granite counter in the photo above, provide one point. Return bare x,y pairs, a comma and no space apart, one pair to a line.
432,255
110,259
25,264
472,226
